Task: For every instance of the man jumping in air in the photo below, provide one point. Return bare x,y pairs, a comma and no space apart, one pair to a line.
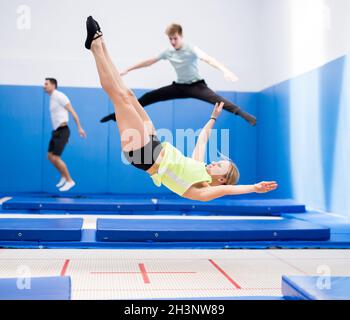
59,108
184,58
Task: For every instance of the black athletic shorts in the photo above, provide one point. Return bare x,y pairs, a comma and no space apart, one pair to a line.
59,139
145,157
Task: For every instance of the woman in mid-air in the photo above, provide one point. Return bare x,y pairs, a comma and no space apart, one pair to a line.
188,177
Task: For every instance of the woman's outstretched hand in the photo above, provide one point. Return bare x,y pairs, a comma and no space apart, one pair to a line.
217,110
264,186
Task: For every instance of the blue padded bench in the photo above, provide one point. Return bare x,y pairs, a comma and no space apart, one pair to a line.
121,230
234,206
76,204
316,287
45,288
32,229
228,206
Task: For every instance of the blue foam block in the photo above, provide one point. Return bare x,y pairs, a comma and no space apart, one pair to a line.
234,206
316,288
32,229
338,224
89,241
207,230
77,204
45,288
129,204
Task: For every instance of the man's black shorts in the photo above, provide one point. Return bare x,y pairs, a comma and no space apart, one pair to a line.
59,139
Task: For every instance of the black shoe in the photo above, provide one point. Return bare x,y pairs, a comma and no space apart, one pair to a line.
248,117
108,118
98,26
92,28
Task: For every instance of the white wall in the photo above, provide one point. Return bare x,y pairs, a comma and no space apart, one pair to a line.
296,36
263,41
134,30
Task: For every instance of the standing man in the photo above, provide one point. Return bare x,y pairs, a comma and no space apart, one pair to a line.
184,58
59,108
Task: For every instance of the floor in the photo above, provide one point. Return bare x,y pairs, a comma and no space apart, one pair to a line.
152,274
147,274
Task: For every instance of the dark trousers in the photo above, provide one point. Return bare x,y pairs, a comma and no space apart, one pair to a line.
197,90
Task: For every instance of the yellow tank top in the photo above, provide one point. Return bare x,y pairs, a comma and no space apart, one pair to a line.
177,172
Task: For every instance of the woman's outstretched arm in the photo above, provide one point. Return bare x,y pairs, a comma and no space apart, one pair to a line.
199,150
210,193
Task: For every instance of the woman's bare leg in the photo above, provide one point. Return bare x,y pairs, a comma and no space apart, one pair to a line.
141,111
131,126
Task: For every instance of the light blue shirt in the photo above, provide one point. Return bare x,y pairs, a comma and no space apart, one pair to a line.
185,62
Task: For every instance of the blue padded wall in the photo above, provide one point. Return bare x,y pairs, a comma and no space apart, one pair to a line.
303,137
244,139
301,140
95,163
21,138
273,139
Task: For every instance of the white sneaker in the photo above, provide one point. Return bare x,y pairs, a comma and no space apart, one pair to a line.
61,182
67,186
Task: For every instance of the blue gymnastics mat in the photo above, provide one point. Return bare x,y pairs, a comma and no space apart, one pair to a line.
78,204
234,206
339,238
19,229
45,288
144,205
121,230
316,288
88,241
